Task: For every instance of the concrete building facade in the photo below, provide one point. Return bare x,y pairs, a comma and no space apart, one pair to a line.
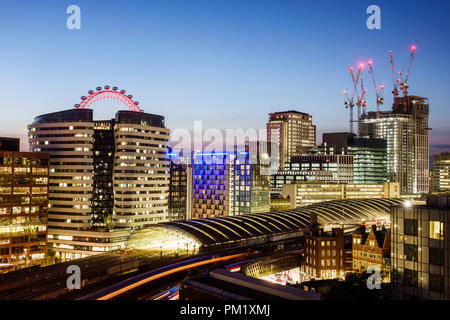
294,133
106,177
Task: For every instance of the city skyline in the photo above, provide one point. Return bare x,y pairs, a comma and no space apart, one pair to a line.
225,151
258,65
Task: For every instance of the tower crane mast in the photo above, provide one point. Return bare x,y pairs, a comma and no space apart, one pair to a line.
404,81
378,93
349,102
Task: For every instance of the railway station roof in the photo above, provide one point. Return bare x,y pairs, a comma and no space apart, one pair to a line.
232,229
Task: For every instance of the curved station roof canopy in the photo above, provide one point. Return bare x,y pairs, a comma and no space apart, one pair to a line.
251,229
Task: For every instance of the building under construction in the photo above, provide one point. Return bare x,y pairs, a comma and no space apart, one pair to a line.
405,130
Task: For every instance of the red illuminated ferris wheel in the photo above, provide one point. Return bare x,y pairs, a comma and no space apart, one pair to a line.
108,93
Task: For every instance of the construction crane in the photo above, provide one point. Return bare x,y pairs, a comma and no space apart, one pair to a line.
394,80
362,101
404,80
378,93
349,104
355,86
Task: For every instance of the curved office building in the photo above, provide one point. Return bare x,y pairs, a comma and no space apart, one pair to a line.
104,175
251,229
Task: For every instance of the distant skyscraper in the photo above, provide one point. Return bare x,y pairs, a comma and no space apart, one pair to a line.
369,155
441,172
103,175
228,184
23,206
294,133
406,131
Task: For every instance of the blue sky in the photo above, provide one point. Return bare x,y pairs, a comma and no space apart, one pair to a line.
227,63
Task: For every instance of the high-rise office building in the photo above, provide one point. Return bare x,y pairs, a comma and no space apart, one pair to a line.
106,177
420,251
441,172
369,155
369,160
406,131
228,184
180,191
23,206
293,132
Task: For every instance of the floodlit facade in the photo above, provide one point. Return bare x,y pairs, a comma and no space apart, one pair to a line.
228,184
23,206
441,172
420,252
106,177
293,132
406,131
311,192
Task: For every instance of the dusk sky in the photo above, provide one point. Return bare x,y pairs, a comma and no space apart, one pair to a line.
227,63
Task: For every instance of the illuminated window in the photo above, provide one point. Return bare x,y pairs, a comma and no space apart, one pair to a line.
436,230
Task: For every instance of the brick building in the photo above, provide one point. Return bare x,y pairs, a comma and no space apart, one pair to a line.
372,248
326,253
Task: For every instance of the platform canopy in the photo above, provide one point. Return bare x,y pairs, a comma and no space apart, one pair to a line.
251,227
